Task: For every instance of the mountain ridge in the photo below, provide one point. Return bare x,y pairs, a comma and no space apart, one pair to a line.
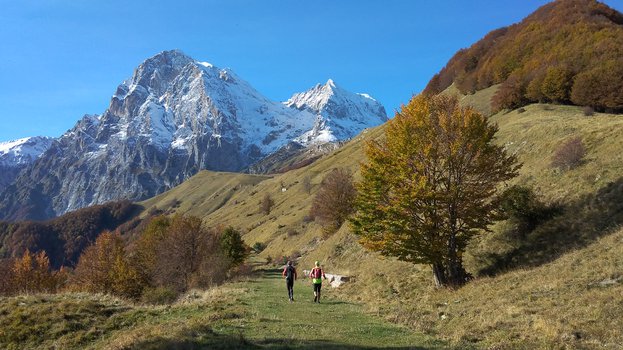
16,155
173,117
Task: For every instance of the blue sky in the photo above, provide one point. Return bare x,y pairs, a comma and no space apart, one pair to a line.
61,59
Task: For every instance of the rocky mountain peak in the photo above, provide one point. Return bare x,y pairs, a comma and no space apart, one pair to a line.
340,114
174,117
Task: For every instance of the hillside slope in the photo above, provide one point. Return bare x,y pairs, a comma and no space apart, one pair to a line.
567,51
590,192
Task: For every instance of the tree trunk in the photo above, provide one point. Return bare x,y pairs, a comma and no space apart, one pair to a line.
439,275
456,273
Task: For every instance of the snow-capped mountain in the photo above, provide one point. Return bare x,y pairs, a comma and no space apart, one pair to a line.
173,117
17,154
340,114
23,151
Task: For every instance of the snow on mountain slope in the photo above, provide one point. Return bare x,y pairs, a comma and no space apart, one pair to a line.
174,117
18,154
23,151
340,114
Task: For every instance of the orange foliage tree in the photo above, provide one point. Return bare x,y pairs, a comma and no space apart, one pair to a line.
105,268
566,51
180,253
32,274
430,186
333,202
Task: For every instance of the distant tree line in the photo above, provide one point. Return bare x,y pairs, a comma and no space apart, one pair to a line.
64,238
170,256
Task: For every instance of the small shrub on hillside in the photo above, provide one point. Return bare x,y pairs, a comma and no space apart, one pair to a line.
258,247
266,204
333,202
307,185
588,111
159,296
521,110
569,155
522,207
292,232
243,270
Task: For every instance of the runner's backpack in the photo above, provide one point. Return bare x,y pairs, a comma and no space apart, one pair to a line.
316,272
290,272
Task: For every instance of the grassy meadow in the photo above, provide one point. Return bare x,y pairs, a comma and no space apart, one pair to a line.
558,286
253,314
539,270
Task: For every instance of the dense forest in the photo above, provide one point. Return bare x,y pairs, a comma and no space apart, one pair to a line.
567,52
64,238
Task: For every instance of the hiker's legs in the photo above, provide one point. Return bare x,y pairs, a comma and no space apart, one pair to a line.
317,292
290,285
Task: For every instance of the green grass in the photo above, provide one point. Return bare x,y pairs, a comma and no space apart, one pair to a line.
79,321
403,293
252,314
303,324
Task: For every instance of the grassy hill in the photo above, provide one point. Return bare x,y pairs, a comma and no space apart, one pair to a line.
549,269
204,193
567,51
248,314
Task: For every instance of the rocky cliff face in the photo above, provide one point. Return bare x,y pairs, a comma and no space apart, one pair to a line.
340,114
173,117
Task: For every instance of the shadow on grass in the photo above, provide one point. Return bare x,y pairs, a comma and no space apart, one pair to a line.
214,341
319,344
580,224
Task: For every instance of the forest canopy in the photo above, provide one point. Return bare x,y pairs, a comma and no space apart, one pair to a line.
568,52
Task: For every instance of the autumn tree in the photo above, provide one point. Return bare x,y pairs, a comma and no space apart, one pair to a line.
601,87
149,249
32,274
429,187
104,267
510,95
556,85
266,204
333,202
179,253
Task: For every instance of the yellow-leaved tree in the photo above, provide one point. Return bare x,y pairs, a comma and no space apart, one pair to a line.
430,186
104,267
32,274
